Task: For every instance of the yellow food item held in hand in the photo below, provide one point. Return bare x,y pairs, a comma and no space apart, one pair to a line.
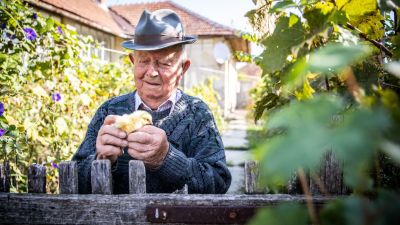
134,121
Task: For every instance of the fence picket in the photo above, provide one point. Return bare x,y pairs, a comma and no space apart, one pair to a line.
101,177
37,179
68,177
5,177
137,177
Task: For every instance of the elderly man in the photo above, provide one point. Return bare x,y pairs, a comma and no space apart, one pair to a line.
183,146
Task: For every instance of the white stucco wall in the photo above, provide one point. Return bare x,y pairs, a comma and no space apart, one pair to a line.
205,66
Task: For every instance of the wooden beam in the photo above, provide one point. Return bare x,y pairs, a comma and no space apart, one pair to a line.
120,209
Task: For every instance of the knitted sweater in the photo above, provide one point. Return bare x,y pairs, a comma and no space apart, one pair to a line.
195,157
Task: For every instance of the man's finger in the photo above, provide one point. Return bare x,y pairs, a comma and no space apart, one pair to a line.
139,155
111,130
107,139
139,137
150,129
110,119
138,147
107,151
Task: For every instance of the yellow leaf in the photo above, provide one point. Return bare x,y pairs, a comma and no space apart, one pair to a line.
293,20
307,92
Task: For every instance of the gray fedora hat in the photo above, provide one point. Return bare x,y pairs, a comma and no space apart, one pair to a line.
157,30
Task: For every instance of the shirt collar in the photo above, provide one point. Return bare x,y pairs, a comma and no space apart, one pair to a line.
168,104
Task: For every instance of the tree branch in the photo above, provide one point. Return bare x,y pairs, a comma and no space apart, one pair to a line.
308,197
377,44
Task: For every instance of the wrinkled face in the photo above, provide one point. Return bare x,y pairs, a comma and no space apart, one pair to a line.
157,73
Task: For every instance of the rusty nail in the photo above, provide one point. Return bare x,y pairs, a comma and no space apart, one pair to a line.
232,215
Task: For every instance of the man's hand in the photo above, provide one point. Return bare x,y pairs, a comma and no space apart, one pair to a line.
148,144
110,140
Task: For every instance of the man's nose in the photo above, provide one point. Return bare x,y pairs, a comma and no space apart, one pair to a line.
152,70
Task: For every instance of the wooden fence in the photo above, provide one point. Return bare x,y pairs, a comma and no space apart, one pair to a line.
139,207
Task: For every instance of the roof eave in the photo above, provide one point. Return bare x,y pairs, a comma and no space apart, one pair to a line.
76,18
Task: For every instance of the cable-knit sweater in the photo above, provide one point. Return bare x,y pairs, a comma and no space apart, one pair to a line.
195,157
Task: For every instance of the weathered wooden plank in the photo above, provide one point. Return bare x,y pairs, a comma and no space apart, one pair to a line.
119,209
251,178
101,177
68,177
37,178
5,177
137,177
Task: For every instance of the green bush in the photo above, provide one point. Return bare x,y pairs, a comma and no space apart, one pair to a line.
48,92
206,92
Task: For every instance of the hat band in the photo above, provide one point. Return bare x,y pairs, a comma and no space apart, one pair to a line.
155,39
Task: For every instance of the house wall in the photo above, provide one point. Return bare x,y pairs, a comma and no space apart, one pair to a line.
205,66
246,83
107,40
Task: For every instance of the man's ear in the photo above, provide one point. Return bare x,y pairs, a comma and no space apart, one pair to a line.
131,57
185,66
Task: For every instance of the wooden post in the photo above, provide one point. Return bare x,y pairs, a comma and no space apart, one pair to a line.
5,177
137,177
68,177
37,179
330,176
251,178
184,190
101,177
293,185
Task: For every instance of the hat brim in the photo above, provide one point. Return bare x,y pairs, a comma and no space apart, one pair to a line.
130,44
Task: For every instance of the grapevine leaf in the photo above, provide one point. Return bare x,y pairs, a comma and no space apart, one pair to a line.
279,215
305,140
335,57
278,46
364,15
268,101
306,93
357,8
317,16
310,129
282,5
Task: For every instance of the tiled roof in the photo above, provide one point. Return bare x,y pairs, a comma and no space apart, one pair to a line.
194,24
87,10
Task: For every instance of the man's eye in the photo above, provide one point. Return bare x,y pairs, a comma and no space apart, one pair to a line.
165,63
144,61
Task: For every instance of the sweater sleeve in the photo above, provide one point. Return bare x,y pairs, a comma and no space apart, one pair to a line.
203,168
87,151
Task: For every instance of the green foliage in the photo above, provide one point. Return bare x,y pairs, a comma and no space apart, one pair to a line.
206,92
352,136
288,33
326,87
356,210
280,215
48,90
